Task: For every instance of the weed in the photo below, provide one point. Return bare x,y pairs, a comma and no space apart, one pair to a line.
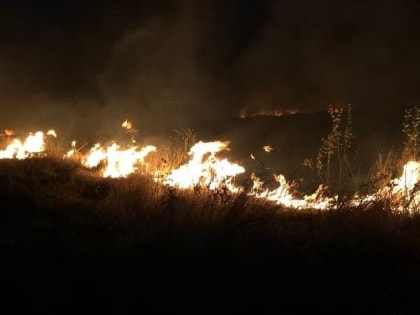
411,130
332,161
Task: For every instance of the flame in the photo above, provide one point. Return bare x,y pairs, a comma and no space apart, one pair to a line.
33,145
97,155
9,132
73,150
267,148
205,169
409,178
402,192
283,195
121,163
52,133
118,162
127,124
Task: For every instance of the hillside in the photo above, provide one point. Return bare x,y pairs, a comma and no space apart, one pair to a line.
72,241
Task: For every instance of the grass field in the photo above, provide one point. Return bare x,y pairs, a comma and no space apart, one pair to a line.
74,242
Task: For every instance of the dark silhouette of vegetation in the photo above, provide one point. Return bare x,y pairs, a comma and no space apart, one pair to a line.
71,241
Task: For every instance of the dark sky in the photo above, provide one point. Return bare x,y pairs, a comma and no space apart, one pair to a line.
88,65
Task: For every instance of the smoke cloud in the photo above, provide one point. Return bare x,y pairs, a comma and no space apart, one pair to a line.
84,68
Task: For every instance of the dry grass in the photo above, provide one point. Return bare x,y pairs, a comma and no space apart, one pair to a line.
69,237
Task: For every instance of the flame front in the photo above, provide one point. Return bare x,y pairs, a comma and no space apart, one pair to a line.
402,192
117,162
283,195
33,145
205,169
408,179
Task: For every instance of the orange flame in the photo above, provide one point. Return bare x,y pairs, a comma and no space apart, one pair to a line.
402,192
118,162
9,132
205,169
284,196
267,148
33,145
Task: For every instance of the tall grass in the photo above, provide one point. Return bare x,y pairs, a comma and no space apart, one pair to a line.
125,243
70,238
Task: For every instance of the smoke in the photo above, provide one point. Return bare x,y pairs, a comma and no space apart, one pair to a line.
199,64
312,54
151,76
177,71
209,61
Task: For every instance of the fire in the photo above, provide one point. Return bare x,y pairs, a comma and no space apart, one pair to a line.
409,178
267,148
32,145
127,124
9,132
121,163
114,160
52,133
205,169
284,195
403,192
97,155
117,162
73,150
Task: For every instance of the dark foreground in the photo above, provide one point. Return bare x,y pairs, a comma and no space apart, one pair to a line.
70,242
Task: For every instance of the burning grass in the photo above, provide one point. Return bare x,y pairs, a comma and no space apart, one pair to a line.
177,215
70,237
59,218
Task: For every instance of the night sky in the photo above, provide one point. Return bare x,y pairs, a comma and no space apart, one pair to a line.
85,66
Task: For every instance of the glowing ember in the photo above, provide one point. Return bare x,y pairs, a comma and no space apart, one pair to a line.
9,132
267,148
205,169
127,124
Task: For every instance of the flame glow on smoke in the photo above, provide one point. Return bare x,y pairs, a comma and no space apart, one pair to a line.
205,168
